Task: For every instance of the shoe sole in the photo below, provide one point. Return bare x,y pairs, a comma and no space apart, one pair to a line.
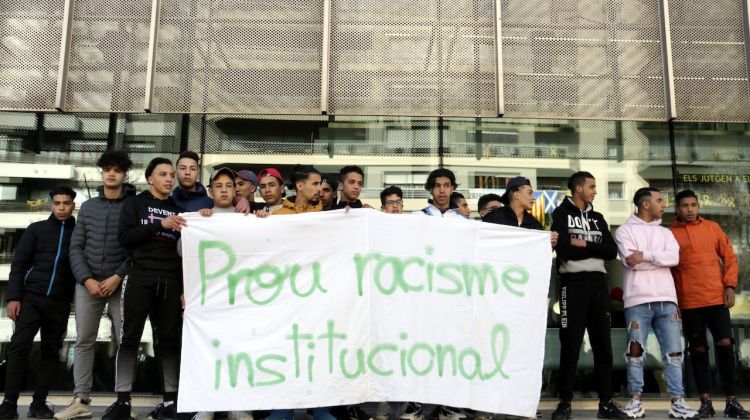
83,415
679,416
411,418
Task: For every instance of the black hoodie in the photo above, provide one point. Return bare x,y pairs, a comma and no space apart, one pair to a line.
41,263
150,247
571,222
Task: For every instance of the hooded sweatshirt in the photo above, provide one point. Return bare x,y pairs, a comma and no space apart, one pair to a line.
699,277
651,280
571,222
151,248
192,200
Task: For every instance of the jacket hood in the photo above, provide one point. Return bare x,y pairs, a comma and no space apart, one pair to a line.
569,205
127,190
200,191
635,220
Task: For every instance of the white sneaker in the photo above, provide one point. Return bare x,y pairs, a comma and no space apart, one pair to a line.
483,415
239,415
75,410
204,415
635,409
383,412
680,410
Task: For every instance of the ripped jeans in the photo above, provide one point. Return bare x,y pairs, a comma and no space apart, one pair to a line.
664,319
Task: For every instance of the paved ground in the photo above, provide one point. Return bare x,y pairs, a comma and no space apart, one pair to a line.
582,410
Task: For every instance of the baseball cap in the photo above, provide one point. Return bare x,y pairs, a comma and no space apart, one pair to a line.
271,172
513,183
248,176
222,170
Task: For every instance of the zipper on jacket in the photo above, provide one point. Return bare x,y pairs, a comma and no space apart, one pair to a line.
28,272
106,230
57,259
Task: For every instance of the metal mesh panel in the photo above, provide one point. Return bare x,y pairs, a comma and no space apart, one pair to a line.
107,68
420,57
30,34
239,57
709,60
583,59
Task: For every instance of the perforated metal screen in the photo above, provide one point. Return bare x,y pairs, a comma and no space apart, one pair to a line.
30,33
583,59
578,59
254,57
107,67
418,57
710,67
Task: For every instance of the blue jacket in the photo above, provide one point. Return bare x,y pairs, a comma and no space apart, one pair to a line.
192,200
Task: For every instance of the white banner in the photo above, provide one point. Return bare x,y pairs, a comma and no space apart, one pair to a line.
336,308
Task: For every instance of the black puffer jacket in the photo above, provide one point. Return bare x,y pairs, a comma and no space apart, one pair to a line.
95,251
41,265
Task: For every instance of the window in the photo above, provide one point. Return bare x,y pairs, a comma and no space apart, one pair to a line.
615,190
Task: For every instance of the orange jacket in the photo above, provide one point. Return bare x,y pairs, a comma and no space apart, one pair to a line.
699,277
288,207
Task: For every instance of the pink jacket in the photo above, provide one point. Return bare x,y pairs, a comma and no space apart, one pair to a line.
651,280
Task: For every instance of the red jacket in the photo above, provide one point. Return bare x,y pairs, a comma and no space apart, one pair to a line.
699,277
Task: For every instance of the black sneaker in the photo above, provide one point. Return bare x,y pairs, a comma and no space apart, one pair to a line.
40,410
564,411
168,411
706,409
413,412
610,410
450,413
154,414
8,410
356,413
735,410
118,411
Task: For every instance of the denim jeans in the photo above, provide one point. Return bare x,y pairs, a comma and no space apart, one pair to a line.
665,321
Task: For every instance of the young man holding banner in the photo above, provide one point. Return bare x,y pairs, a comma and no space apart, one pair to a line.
306,182
441,183
221,187
149,231
584,243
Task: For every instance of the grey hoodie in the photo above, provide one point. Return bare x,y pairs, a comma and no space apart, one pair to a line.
95,251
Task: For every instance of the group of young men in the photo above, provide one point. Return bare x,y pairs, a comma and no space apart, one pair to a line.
123,254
